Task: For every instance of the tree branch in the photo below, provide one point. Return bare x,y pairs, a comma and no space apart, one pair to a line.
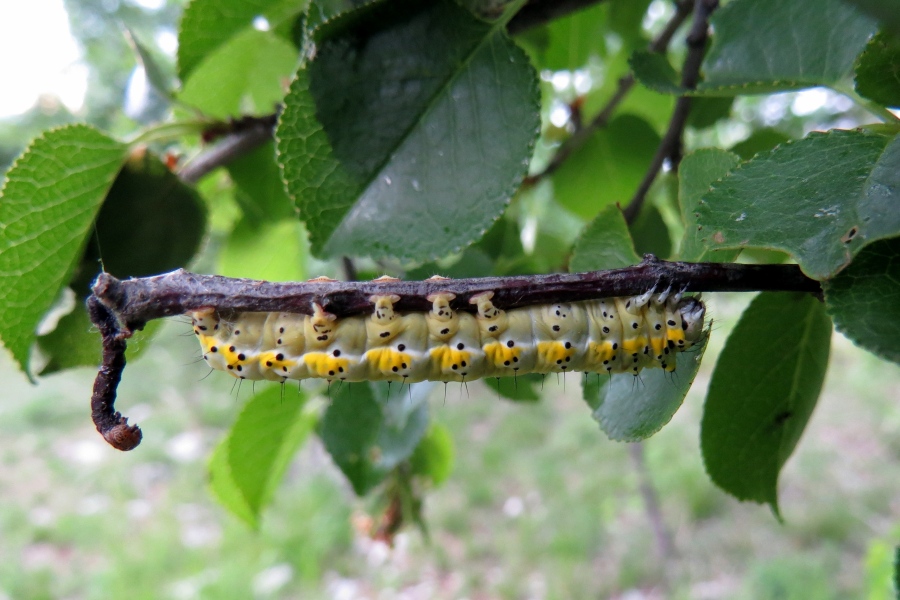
582,134
671,144
239,137
118,308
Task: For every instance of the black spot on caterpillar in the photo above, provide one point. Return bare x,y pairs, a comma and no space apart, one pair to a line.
386,346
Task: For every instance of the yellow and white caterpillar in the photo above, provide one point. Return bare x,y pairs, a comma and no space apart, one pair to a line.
616,335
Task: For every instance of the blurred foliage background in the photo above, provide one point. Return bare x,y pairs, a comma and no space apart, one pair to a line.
539,503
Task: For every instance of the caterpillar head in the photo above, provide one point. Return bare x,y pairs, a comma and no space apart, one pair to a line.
692,313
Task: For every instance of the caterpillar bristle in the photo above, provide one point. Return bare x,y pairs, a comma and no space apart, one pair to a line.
613,335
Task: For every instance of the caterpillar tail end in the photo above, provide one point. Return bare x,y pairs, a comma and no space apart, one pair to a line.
122,436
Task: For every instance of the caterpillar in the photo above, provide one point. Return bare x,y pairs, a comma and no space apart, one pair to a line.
615,335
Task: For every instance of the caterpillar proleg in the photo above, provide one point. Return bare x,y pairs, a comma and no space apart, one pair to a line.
615,335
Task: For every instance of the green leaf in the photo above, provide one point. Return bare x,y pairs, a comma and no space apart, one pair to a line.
409,132
707,111
697,171
72,343
75,342
518,389
405,422
650,233
820,199
273,251
246,75
149,223
47,205
434,456
605,243
607,168
629,408
368,430
862,299
878,70
885,11
656,72
759,141
262,442
762,393
764,46
260,191
206,25
160,78
225,489
568,43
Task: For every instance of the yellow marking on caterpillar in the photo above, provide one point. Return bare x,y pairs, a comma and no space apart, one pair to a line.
326,366
554,354
500,355
387,360
451,359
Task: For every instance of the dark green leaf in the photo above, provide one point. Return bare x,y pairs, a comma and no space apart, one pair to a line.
697,171
885,11
260,191
433,457
206,25
626,19
245,75
631,408
820,199
149,223
650,233
656,72
519,389
607,168
73,343
863,299
759,141
706,111
47,205
409,132
763,46
368,433
762,393
604,244
271,251
405,422
878,70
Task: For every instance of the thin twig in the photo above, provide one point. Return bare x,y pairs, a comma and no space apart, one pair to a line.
670,147
240,138
582,134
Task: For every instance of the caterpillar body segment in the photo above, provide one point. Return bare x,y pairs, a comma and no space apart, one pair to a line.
613,335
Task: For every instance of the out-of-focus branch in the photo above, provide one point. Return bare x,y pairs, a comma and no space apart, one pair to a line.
235,139
670,147
582,134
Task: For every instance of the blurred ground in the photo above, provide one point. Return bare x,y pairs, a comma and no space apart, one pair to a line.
540,504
